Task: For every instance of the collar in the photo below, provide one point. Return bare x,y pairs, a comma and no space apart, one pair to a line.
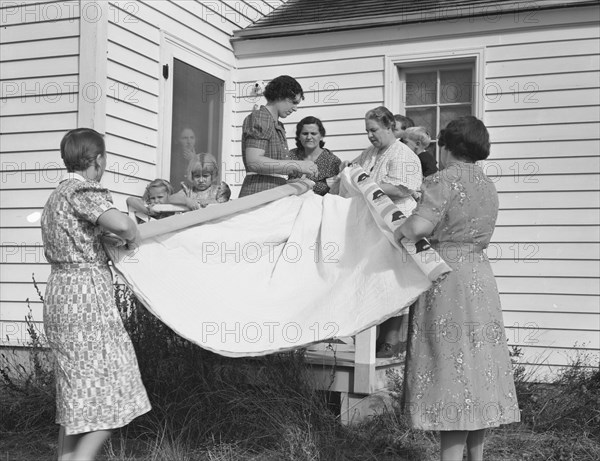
73,175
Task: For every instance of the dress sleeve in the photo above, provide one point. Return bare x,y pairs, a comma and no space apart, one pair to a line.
90,201
258,130
434,199
404,170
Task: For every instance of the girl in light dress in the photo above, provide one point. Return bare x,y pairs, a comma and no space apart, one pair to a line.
157,192
202,187
98,383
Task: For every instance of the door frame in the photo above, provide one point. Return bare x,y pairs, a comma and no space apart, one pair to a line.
172,47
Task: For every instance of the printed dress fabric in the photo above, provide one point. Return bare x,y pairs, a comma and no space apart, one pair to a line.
328,165
260,131
398,165
98,382
203,197
458,370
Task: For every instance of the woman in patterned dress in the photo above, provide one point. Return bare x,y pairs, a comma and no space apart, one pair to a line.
264,146
98,383
458,376
309,141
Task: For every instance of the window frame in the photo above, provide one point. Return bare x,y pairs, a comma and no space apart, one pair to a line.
395,65
171,48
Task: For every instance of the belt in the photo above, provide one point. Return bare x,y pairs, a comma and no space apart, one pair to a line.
275,175
71,266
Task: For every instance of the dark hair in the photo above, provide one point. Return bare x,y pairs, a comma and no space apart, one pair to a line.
405,122
309,121
80,148
283,87
158,183
467,138
383,116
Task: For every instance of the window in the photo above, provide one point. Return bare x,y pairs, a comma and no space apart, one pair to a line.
434,95
197,117
194,107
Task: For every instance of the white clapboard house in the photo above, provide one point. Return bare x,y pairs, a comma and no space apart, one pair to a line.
143,72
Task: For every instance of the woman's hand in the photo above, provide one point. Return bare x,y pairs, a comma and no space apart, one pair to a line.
309,168
344,164
112,239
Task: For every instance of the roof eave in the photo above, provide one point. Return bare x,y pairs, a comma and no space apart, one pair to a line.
379,21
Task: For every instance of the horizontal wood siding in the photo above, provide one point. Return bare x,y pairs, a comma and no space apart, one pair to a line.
134,73
39,72
543,97
339,91
541,103
39,75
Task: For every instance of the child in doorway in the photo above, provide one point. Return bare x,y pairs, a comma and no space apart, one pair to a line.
201,188
157,192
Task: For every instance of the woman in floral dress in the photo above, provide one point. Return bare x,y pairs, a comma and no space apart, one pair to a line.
310,146
98,383
459,377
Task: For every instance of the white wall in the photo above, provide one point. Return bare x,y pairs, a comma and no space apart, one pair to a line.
539,97
39,75
65,64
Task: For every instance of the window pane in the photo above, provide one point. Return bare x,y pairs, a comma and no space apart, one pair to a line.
456,85
424,117
449,113
421,88
197,116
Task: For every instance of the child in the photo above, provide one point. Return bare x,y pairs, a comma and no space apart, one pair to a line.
157,192
201,189
96,368
418,139
428,163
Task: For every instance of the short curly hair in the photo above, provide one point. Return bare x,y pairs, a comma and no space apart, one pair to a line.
283,87
383,116
467,138
80,148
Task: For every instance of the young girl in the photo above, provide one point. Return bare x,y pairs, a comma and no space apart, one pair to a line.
202,188
98,383
157,192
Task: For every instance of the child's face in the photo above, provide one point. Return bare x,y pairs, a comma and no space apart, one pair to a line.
157,195
201,180
414,145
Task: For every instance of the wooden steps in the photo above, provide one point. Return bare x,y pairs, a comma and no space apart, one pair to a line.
350,368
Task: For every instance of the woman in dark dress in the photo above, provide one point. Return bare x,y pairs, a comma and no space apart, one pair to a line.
309,139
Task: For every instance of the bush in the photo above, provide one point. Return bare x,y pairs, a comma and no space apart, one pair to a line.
27,385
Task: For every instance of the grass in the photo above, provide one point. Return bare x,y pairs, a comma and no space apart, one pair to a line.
211,408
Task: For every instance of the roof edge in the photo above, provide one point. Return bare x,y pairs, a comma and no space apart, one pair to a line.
405,18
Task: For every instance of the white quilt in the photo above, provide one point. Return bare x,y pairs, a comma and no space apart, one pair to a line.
286,274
